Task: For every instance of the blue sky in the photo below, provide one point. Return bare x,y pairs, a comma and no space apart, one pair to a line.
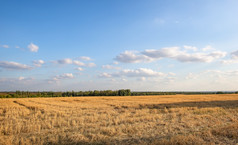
140,45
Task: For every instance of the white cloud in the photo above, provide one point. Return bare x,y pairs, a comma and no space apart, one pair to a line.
234,55
17,80
142,79
183,56
75,62
5,46
33,48
232,60
132,57
140,72
110,67
78,63
91,64
65,61
60,77
115,62
65,76
79,69
171,74
217,54
38,63
124,80
18,47
85,58
175,53
169,52
105,75
21,78
193,48
14,65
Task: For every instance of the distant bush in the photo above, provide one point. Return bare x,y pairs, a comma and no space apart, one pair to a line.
219,92
152,93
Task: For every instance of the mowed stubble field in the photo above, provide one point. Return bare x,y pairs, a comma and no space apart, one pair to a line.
170,119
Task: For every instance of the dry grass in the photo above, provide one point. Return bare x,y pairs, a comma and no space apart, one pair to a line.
175,119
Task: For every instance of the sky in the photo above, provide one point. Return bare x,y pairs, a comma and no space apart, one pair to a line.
142,45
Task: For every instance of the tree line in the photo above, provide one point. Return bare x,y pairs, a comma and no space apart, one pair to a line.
27,94
122,92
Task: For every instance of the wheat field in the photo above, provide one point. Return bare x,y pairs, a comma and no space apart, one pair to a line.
171,119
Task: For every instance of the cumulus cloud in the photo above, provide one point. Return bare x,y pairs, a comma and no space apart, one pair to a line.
79,69
16,81
132,57
232,60
91,64
115,62
234,54
75,62
38,63
183,56
5,46
33,48
78,63
64,61
140,72
172,74
86,58
105,75
65,76
175,53
217,54
14,65
124,80
164,52
110,67
21,78
60,77
193,48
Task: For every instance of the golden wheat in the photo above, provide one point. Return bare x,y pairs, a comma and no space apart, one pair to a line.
172,119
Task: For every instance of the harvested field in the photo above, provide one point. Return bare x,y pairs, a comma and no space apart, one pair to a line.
171,119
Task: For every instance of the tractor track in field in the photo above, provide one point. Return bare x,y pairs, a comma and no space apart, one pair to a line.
53,105
31,108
